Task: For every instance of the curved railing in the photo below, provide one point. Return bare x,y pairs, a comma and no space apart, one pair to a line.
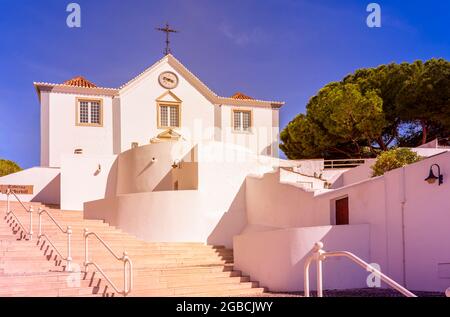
319,255
29,210
127,264
67,231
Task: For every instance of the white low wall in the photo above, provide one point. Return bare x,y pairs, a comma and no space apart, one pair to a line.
45,181
213,213
173,216
270,203
354,175
82,181
276,258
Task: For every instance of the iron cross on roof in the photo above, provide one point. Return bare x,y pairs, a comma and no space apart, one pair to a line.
167,30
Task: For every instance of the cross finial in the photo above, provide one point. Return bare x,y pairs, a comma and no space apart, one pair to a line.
167,30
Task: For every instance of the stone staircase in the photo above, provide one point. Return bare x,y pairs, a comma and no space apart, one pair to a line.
33,268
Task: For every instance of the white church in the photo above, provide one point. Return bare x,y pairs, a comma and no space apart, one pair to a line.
166,100
165,159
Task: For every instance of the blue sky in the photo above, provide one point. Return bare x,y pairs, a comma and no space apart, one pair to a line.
269,49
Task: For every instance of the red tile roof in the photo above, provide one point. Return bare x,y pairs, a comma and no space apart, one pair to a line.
80,81
241,96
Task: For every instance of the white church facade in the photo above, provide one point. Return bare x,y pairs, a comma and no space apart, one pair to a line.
166,159
79,117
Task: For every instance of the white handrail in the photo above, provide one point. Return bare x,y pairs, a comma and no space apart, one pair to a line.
68,231
343,163
29,232
127,278
319,255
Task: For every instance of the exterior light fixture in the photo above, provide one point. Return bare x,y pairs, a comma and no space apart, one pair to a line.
176,164
431,179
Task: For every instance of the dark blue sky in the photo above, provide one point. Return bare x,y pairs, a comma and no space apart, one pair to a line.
269,49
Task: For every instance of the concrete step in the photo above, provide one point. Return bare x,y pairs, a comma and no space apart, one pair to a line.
33,268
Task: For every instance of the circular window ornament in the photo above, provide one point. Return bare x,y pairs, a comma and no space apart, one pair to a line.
168,80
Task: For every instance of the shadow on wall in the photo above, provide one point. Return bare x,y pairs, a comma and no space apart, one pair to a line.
233,221
111,183
183,175
51,193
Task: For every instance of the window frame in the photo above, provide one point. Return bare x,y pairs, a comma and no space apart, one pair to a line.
78,112
158,117
250,129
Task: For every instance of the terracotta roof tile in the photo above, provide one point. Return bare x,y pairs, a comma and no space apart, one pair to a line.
241,96
80,81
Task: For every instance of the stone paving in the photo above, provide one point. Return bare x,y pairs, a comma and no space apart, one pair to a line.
366,292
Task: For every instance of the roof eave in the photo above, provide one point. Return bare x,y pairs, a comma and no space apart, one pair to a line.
75,89
249,102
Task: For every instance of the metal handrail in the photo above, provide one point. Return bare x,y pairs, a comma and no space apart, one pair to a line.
127,278
29,232
68,231
319,255
343,163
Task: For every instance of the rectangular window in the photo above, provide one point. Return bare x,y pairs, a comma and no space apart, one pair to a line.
164,116
89,113
84,112
169,116
95,112
242,120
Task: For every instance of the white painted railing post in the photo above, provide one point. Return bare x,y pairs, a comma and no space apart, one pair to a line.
8,193
31,223
319,277
69,250
125,275
40,223
86,260
317,255
306,277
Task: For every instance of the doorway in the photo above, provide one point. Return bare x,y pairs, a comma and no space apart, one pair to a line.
342,213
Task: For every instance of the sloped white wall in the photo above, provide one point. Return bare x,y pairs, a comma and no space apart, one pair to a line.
46,182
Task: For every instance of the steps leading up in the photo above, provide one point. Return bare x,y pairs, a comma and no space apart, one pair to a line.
34,268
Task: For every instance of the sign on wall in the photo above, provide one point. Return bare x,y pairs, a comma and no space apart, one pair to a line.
17,189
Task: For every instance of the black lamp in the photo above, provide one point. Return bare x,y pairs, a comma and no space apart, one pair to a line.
431,179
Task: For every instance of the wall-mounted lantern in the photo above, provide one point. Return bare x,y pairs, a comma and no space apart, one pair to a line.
176,164
431,179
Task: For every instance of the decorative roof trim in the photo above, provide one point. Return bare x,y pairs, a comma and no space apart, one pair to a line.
241,96
80,81
201,86
41,86
170,93
177,65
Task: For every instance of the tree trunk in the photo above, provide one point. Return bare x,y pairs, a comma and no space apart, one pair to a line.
424,131
381,144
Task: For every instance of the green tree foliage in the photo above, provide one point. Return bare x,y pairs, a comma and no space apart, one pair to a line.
8,167
393,159
372,110
425,98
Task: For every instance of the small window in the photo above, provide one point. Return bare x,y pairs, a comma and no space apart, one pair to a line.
89,112
169,116
242,121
